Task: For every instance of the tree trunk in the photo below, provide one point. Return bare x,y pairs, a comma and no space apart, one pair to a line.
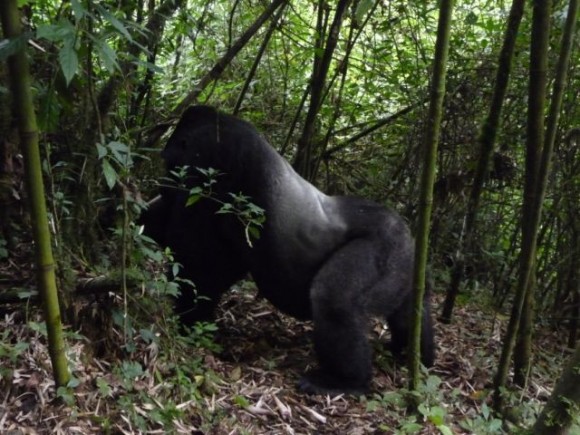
486,141
531,206
303,163
24,112
523,346
431,140
522,358
564,403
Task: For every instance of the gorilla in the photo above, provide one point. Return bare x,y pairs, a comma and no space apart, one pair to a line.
335,260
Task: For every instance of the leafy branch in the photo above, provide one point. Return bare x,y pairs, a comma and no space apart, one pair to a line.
247,213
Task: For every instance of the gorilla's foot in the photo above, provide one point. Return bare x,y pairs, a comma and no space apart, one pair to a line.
317,382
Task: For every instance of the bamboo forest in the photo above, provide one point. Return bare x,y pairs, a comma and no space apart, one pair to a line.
289,217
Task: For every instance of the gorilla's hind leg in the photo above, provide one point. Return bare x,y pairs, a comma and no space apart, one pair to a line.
338,297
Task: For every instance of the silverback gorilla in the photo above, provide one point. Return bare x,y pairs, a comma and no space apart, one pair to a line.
334,259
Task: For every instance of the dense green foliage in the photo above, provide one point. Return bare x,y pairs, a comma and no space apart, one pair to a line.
109,75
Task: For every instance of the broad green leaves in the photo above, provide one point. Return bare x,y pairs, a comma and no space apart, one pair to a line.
72,38
114,22
107,55
68,59
115,157
63,33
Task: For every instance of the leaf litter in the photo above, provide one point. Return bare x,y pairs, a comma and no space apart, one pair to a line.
248,387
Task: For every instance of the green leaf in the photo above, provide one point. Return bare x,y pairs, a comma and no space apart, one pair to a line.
50,32
445,430
225,209
411,427
39,327
436,420
121,152
433,382
103,386
25,294
485,411
101,151
147,335
495,425
319,52
361,10
78,10
114,21
192,200
110,174
241,401
471,18
438,411
73,383
69,61
394,398
254,232
107,55
131,370
195,195
64,31
66,395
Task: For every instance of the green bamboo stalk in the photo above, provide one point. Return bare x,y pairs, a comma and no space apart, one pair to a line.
431,141
304,158
24,110
486,141
531,207
523,355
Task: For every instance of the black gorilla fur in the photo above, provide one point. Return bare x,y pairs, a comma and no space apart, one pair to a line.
336,260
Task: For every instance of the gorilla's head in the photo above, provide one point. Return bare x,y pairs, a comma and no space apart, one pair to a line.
195,137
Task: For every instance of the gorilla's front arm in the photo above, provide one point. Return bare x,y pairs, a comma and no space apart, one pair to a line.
335,260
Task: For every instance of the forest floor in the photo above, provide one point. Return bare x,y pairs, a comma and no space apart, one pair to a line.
242,380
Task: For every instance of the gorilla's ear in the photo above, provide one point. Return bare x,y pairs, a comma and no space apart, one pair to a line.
195,116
